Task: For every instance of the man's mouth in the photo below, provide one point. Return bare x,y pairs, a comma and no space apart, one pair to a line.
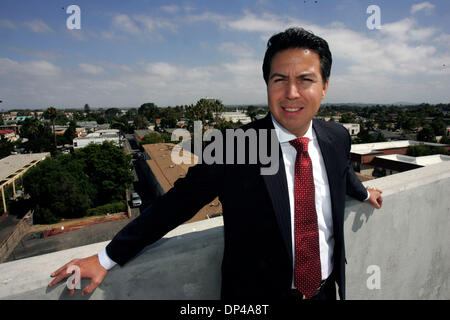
292,109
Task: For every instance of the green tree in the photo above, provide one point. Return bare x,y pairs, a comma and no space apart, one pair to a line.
152,137
150,111
348,118
438,126
51,114
424,150
6,147
59,189
426,134
109,168
39,136
70,132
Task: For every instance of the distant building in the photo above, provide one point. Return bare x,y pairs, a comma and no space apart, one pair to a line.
89,125
80,132
352,128
13,127
23,118
139,134
161,173
235,116
98,137
13,167
60,129
363,155
104,126
395,163
9,135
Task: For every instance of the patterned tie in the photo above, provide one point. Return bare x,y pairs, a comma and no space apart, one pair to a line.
307,268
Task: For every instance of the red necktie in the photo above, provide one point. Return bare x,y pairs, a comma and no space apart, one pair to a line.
307,268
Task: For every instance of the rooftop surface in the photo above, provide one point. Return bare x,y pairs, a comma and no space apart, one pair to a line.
367,148
167,172
14,164
421,161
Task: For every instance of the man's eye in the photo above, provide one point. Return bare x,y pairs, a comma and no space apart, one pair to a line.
306,79
278,80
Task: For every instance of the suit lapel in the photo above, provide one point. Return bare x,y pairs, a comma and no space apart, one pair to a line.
276,185
328,154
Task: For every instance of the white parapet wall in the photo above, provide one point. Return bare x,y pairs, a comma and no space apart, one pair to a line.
398,252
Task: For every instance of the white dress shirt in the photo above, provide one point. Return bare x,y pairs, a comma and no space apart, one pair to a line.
322,193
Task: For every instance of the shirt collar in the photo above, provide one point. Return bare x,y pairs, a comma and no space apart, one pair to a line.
285,136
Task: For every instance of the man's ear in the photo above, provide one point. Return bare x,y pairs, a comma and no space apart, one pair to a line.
325,88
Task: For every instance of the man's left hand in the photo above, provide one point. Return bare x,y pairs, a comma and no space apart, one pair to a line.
375,198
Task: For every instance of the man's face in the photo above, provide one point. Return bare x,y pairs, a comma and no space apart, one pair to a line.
295,89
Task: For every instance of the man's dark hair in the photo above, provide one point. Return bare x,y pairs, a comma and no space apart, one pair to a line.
298,38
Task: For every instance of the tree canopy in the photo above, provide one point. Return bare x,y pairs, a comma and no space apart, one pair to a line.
66,186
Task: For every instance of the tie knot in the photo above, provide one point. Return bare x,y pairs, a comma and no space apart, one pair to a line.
300,144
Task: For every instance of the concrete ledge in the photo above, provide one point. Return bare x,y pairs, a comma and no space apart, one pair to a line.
405,245
185,264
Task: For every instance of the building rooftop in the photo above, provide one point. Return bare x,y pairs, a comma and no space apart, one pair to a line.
368,148
421,161
167,172
15,164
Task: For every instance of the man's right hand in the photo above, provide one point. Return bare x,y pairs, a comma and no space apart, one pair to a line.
90,267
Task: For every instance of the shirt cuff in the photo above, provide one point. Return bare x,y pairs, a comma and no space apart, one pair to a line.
368,195
105,261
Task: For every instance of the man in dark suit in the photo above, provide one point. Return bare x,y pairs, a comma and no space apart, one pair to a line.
266,253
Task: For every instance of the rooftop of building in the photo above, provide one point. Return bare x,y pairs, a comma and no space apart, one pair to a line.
167,172
422,161
15,164
368,148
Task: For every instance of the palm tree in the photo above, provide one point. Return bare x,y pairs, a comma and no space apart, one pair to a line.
51,114
218,107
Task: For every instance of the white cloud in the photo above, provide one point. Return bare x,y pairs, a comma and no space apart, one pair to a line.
401,62
170,8
90,68
251,22
39,68
124,23
427,6
406,30
38,26
150,24
7,24
206,17
162,69
244,51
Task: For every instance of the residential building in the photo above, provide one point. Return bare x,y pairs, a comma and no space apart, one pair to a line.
362,155
97,137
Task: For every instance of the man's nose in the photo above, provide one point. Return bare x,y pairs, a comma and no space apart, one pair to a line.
292,90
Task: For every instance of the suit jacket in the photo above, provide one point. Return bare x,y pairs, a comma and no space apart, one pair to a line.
257,259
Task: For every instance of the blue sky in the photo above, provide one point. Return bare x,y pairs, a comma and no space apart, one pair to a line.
176,52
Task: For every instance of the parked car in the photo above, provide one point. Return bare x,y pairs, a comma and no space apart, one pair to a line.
135,199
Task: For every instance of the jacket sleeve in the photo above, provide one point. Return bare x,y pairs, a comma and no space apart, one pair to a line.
200,186
355,188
